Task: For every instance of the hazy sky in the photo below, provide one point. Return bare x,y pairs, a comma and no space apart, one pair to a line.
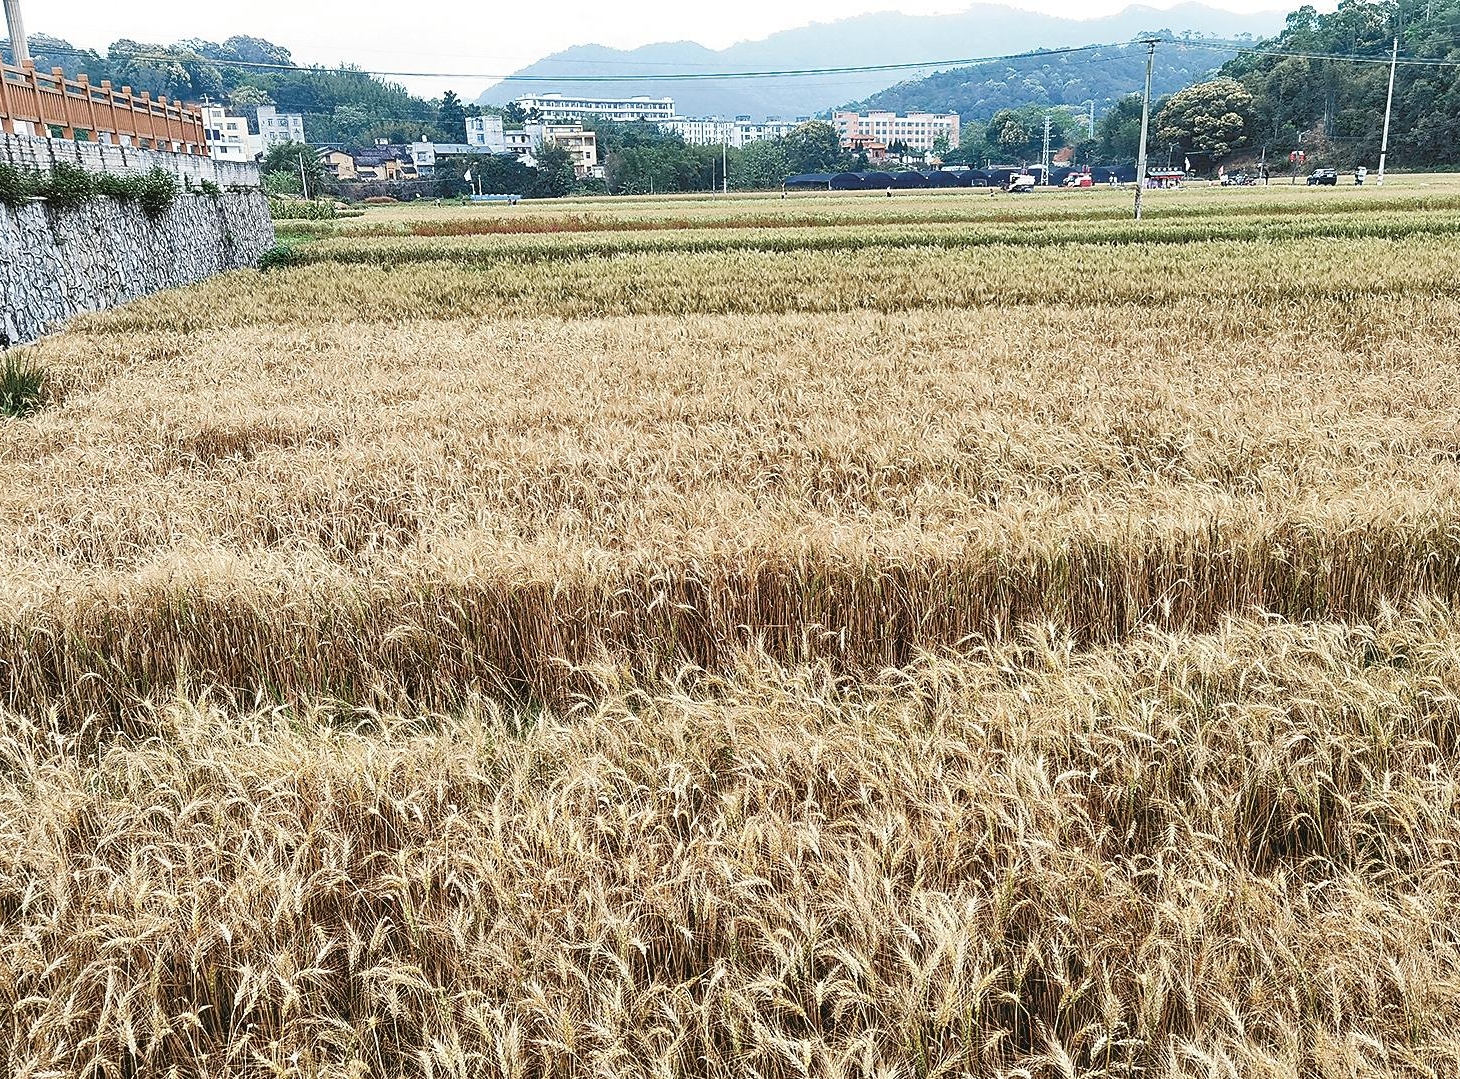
480,40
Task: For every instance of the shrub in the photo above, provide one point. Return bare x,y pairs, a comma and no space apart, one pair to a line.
67,186
156,191
121,188
298,210
16,185
22,385
278,257
209,188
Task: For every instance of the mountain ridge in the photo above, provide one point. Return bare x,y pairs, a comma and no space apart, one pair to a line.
981,31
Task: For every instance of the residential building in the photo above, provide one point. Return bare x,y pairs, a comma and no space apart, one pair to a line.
337,160
713,131
521,144
771,128
702,131
384,162
379,162
486,132
550,108
423,156
919,130
864,144
228,138
582,146
279,127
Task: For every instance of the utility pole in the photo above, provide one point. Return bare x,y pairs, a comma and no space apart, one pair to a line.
1044,159
724,160
1388,109
303,180
1150,44
1090,127
18,46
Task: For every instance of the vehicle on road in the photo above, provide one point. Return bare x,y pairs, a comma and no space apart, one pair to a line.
1323,177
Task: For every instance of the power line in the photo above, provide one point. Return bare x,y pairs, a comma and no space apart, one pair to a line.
1210,44
675,76
1349,58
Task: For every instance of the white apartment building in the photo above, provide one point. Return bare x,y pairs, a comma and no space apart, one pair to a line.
555,107
918,129
485,132
770,128
702,131
228,137
739,132
277,127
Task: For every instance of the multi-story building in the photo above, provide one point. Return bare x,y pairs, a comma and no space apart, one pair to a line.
521,144
279,127
771,128
919,130
337,160
582,146
423,156
228,138
551,108
485,132
739,132
702,131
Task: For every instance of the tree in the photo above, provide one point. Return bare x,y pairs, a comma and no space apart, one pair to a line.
497,174
451,116
245,101
1209,118
255,50
760,166
555,176
513,114
813,147
287,159
1118,133
352,122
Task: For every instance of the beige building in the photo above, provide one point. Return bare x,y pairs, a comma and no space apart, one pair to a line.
582,146
918,129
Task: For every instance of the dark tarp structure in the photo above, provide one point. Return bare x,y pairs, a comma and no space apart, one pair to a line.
900,181
944,178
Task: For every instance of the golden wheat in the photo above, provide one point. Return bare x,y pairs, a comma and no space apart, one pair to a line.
1184,855
1030,660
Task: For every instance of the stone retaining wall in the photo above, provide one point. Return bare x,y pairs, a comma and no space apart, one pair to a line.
55,264
42,154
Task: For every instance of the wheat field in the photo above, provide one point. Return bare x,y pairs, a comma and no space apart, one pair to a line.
931,636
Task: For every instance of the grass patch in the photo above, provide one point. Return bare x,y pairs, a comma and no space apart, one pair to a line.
22,385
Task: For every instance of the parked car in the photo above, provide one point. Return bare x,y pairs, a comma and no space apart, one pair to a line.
1326,177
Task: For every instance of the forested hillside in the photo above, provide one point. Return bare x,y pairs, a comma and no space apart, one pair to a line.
1102,75
1335,108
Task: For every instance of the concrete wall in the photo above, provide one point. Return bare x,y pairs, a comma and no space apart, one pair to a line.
55,264
41,154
